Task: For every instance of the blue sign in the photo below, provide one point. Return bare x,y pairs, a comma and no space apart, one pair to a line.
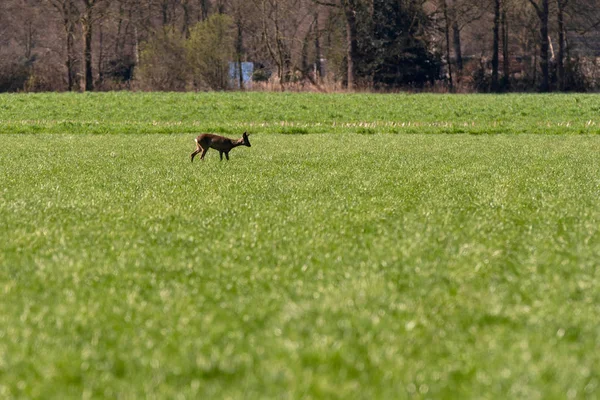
234,76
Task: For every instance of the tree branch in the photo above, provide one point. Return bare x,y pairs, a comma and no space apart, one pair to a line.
537,8
326,3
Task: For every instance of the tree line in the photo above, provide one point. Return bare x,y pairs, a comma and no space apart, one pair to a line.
177,45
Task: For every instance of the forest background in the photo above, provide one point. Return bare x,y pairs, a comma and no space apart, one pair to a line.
311,45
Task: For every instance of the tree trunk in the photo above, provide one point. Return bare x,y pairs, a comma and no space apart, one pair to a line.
87,51
267,41
164,9
457,46
185,29
505,55
136,53
544,49
352,43
68,13
100,56
281,50
318,65
118,39
29,42
127,30
496,46
220,7
304,54
543,12
561,44
70,31
203,10
447,34
239,48
535,58
136,45
70,69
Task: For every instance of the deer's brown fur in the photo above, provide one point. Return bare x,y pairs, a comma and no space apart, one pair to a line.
220,143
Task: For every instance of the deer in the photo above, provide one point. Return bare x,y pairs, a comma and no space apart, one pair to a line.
221,143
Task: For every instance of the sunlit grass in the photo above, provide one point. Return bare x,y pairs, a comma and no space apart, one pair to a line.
233,113
323,266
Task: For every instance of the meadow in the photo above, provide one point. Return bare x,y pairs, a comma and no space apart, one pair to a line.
320,265
299,113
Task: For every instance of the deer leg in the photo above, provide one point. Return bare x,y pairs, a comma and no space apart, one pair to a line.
203,153
194,154
198,150
221,155
227,155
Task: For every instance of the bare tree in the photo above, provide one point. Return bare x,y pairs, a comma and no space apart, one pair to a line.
496,46
577,19
542,10
318,57
350,9
457,45
505,47
447,37
98,42
281,24
452,17
92,12
69,15
462,13
560,6
185,28
242,12
202,9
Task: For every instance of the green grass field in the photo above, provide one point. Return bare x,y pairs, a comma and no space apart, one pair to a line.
331,265
299,113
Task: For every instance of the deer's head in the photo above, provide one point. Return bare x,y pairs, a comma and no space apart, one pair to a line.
245,140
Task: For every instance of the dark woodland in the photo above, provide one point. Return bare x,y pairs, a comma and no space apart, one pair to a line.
312,45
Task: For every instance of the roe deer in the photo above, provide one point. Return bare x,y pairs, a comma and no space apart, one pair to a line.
223,144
